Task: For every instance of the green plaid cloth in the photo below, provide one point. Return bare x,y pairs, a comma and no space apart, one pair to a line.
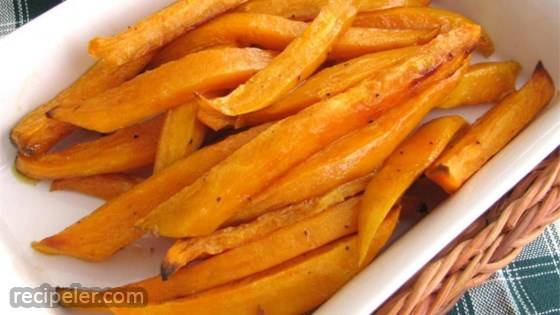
15,13
529,285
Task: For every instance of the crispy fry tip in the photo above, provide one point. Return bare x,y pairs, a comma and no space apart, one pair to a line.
442,168
541,69
167,269
205,101
362,257
50,114
539,66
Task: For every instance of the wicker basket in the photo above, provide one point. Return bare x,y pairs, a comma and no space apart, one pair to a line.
488,245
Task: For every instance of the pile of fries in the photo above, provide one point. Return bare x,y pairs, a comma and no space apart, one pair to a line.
282,138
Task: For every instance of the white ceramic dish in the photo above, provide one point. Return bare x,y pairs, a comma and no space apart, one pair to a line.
47,54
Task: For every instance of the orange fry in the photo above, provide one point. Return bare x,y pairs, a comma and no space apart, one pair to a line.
181,135
492,132
35,133
305,10
156,91
295,63
274,32
127,149
202,207
211,117
111,226
107,186
334,196
399,171
484,83
283,289
186,250
157,30
327,83
421,18
352,156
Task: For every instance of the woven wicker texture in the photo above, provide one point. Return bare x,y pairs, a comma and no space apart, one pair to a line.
488,245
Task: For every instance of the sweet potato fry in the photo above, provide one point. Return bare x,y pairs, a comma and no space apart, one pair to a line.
181,135
214,119
334,196
186,250
294,287
398,173
293,240
354,155
326,83
305,10
211,117
343,192
157,30
274,32
35,133
156,91
492,132
484,83
127,149
107,186
202,207
295,63
421,18
111,227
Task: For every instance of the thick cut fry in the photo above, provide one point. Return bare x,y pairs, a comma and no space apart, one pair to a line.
289,242
156,91
213,118
274,32
294,287
484,83
111,227
202,207
247,260
106,186
421,18
127,149
399,171
189,249
354,155
305,10
327,83
35,133
184,251
335,196
492,132
295,63
157,30
181,135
